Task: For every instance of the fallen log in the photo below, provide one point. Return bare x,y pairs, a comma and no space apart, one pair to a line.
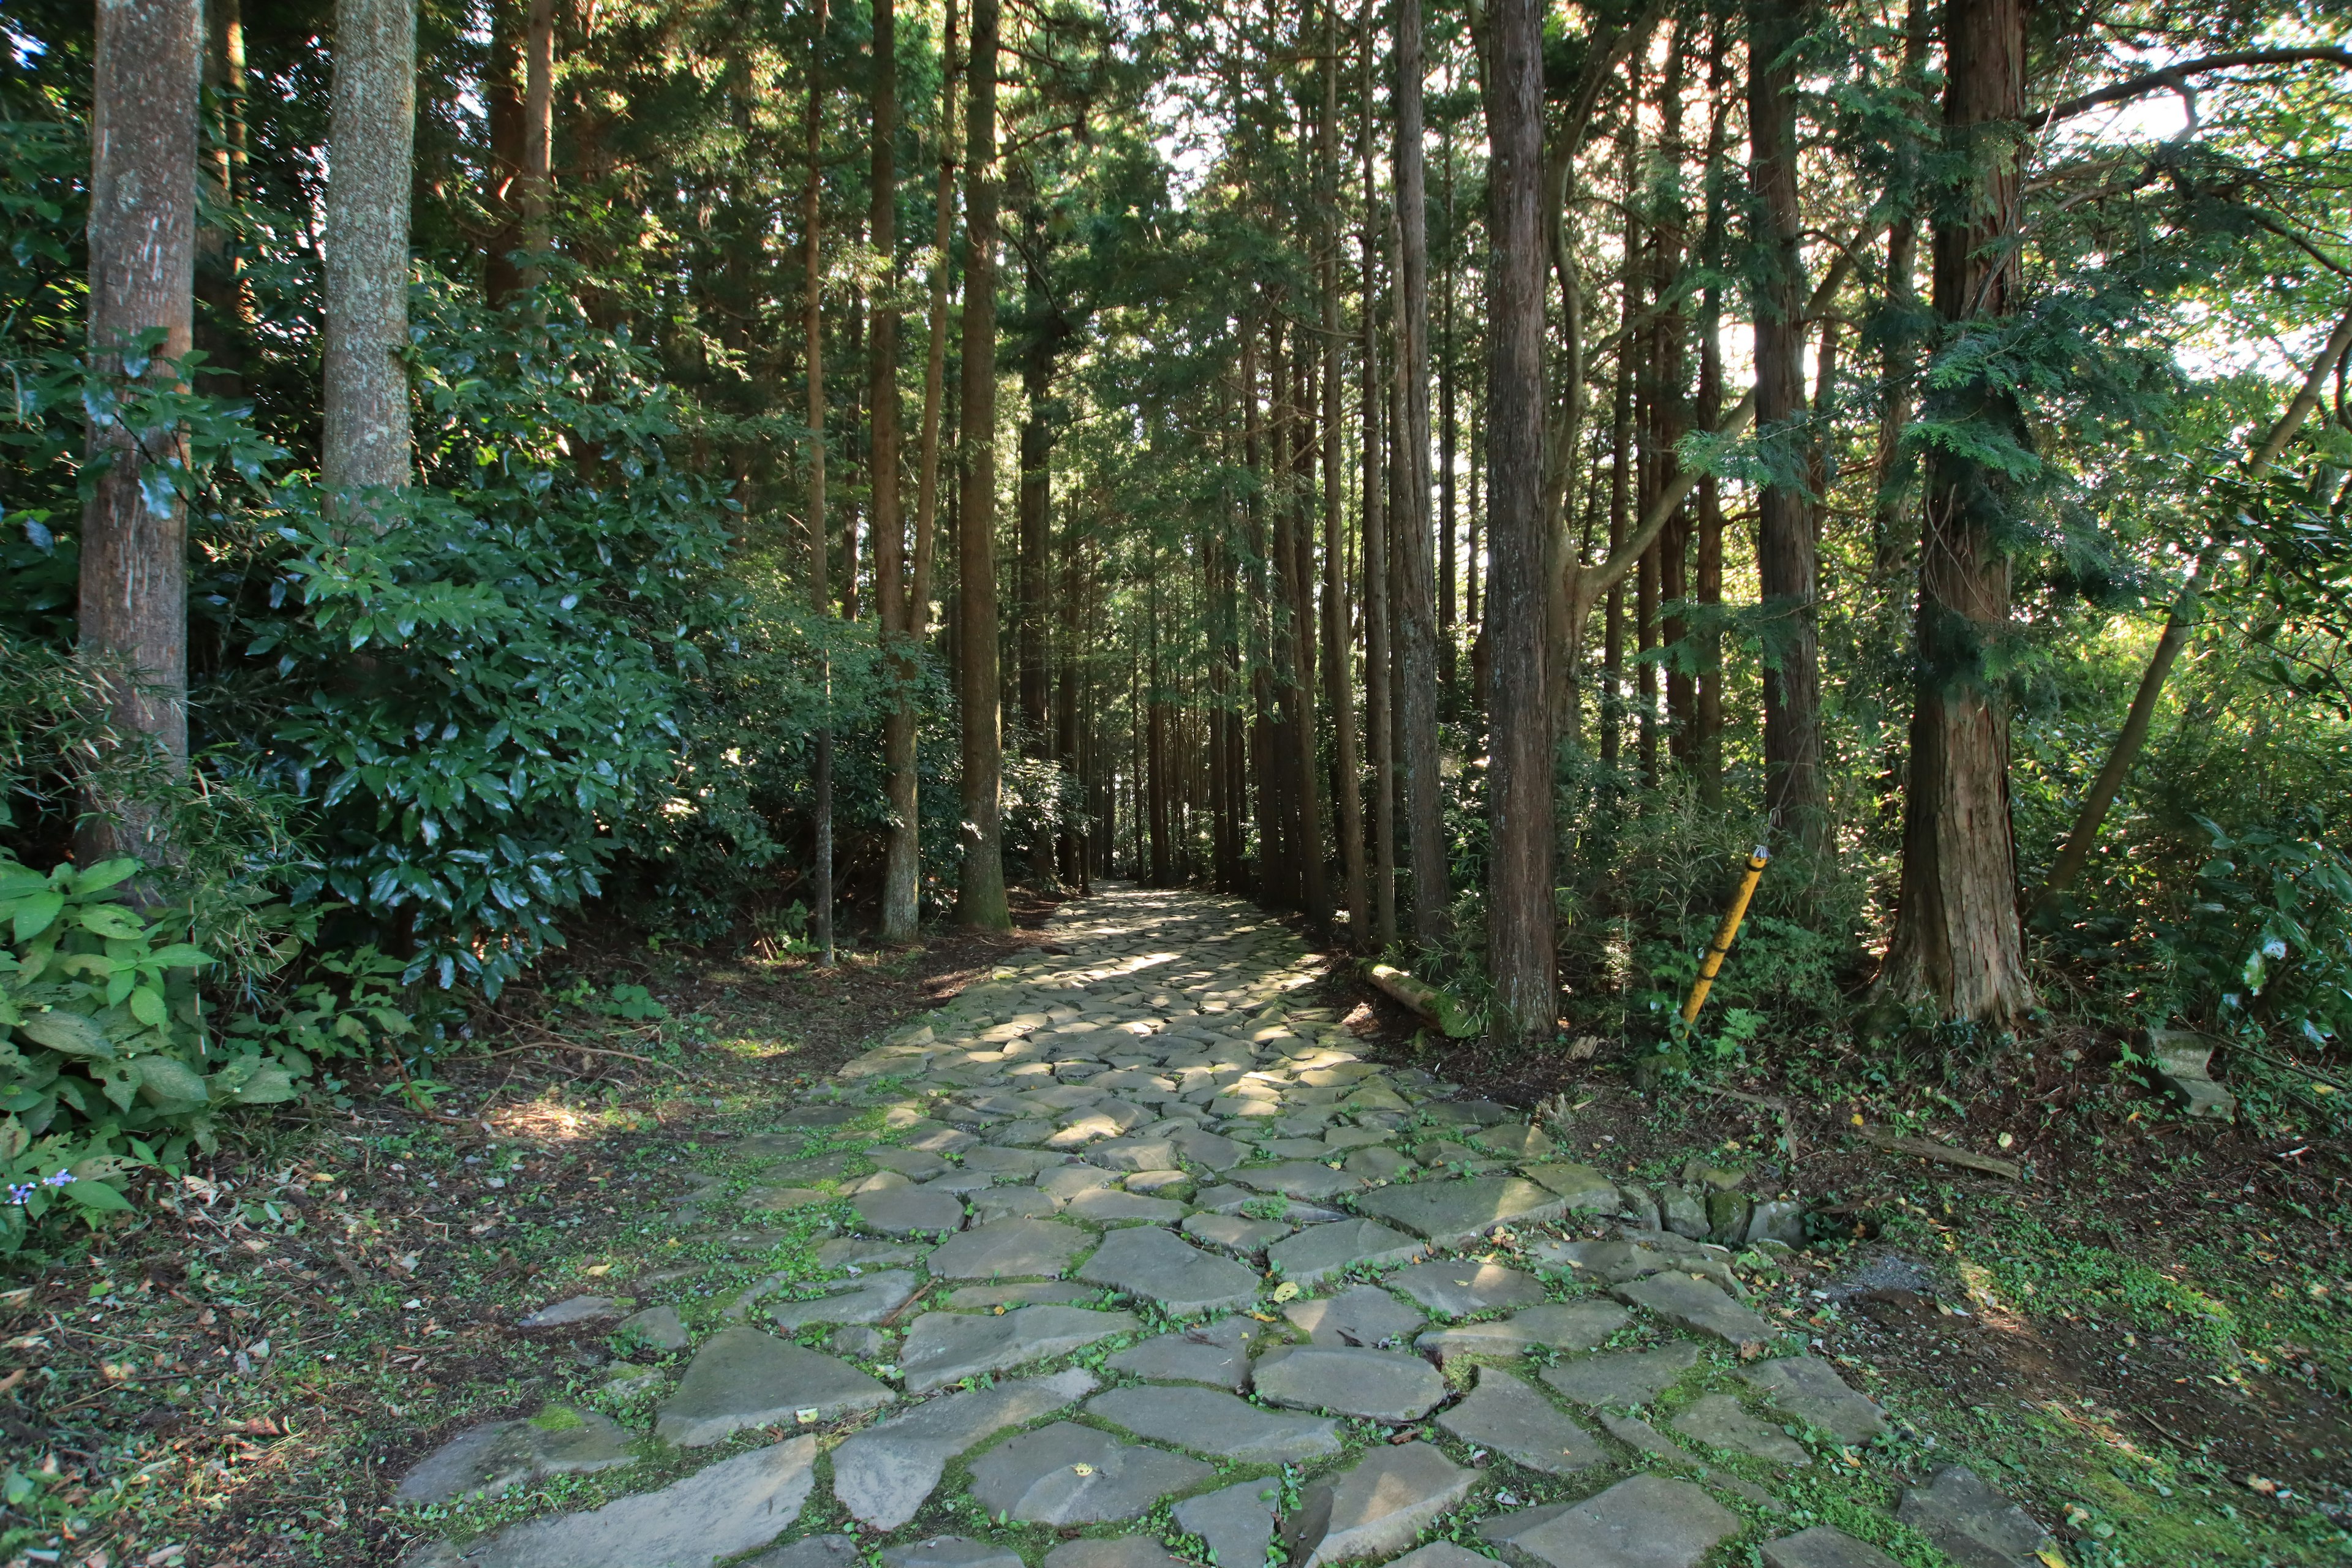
1942,1153
1440,1007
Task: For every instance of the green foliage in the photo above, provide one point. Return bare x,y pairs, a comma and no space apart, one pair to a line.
106,1063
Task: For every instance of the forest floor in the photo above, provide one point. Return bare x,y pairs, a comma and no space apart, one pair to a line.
2146,1342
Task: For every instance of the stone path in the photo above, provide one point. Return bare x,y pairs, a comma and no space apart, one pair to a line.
1132,1261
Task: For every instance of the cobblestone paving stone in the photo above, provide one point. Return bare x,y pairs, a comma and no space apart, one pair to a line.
1131,1205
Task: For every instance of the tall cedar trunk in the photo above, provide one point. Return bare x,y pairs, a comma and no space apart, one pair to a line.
1706,704
820,573
1264,772
1416,623
903,855
536,188
1620,488
1030,501
1672,418
1340,680
1519,942
143,238
1380,722
1066,702
1156,757
1899,349
892,601
366,440
502,94
980,896
1957,944
222,328
1448,443
1314,889
1786,556
1291,882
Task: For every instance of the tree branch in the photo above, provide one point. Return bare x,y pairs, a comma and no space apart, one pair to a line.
2173,78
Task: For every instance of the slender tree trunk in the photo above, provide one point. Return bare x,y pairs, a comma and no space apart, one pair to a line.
1032,499
980,899
1340,682
1156,758
222,328
1378,713
1706,704
502,94
1416,620
1519,941
1788,563
366,440
1314,882
1448,434
820,573
536,186
1956,945
142,236
897,602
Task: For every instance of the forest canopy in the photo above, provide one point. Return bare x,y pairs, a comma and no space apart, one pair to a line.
481,472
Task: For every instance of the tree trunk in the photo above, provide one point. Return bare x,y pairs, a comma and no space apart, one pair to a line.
366,442
1958,946
1339,681
1519,942
502,96
902,864
142,236
1447,433
1788,564
536,188
223,329
820,573
897,601
1314,883
980,897
1032,500
1379,714
1706,702
1415,613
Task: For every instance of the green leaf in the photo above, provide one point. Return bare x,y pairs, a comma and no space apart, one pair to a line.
166,1079
268,1086
72,1033
35,913
110,921
98,1195
106,874
178,955
147,1006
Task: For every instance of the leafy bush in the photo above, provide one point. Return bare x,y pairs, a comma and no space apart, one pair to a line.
2267,941
105,1061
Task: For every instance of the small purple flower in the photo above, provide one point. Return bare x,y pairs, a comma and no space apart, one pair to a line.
63,1178
21,1194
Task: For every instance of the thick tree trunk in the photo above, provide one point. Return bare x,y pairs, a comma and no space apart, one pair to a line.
903,854
1314,882
1379,714
1415,613
535,191
1788,562
1706,702
1339,679
366,440
502,94
1958,946
820,573
1032,500
893,603
1519,942
142,234
980,897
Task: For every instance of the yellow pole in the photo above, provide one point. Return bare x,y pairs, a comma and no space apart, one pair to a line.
1724,933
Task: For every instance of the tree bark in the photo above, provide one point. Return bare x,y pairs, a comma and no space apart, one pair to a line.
1706,702
820,573
142,236
903,853
535,190
1415,613
1379,715
1957,947
1788,562
1341,685
980,897
223,329
366,440
1519,939
893,603
503,100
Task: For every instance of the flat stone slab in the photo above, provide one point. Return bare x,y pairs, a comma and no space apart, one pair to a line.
1233,1233
1069,1474
1307,1179
1011,1203
1363,1315
1117,1552
1719,1419
1108,1206
1450,1212
1695,1305
1375,1507
1010,1250
1602,1262
948,1347
1809,1389
1011,1162
658,1326
744,1377
1154,1265
865,1252
1209,1421
1441,1554
1822,1547
950,1552
733,1506
576,1310
485,1460
1321,1251
1579,1187
1236,1522
1969,1521
1560,1326
1460,1289
1648,1522
1133,1154
1639,1434
1068,1182
784,1200
868,1299
884,1474
1622,1379
1510,1418
1028,1293
811,1552
921,1164
1215,1353
908,1211
1347,1381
